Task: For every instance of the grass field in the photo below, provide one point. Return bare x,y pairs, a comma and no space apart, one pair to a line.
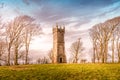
61,72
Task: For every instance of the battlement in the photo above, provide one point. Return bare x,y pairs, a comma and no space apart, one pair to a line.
59,29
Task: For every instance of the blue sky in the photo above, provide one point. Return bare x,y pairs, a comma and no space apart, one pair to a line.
77,15
62,11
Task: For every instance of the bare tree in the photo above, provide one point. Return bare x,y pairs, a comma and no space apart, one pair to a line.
18,43
103,34
50,55
93,35
111,26
31,30
118,42
2,42
13,35
43,60
18,34
113,48
2,51
96,37
19,31
76,49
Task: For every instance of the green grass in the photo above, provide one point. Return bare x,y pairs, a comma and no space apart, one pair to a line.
61,72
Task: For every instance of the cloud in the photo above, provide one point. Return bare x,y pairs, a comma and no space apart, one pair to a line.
2,5
69,12
30,2
26,2
43,43
110,9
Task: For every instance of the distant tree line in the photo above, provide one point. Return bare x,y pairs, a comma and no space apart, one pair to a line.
15,38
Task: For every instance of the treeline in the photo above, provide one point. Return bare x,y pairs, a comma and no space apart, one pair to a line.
106,41
15,38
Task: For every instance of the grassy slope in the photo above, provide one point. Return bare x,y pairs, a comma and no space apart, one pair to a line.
61,72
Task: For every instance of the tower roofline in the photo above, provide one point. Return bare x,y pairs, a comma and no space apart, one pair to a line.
59,27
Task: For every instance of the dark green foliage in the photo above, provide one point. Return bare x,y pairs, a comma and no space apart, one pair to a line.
61,72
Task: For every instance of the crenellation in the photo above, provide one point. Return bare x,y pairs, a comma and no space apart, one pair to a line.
58,29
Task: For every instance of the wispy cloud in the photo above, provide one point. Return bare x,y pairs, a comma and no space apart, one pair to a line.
26,2
70,11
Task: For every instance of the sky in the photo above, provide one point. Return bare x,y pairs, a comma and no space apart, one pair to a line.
78,16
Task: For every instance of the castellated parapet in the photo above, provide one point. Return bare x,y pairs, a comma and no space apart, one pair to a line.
58,29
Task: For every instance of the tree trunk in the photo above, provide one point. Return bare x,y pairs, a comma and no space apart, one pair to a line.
93,54
94,50
16,57
118,52
103,57
26,57
103,53
8,57
106,51
76,60
113,50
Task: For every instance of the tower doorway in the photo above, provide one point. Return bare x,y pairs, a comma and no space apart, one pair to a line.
60,60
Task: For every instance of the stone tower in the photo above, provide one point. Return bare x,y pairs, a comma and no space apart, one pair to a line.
59,45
